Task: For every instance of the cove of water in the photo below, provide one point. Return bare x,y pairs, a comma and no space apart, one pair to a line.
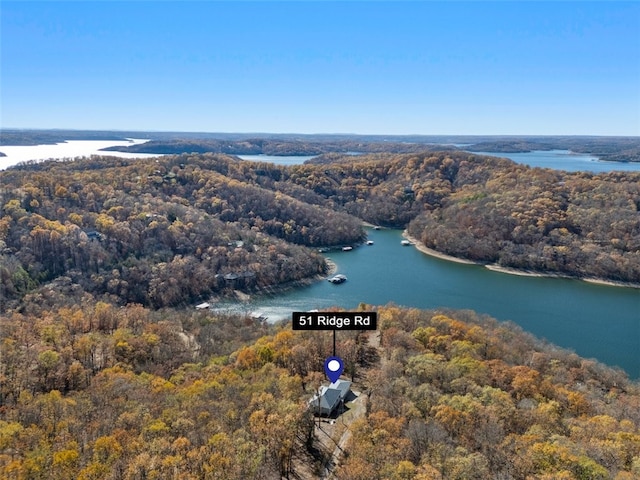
595,321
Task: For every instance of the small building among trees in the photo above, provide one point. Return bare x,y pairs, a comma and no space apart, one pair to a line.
327,401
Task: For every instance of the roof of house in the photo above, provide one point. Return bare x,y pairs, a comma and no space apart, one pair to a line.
343,386
331,396
329,399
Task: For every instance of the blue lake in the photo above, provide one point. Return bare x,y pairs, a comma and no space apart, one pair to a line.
555,159
566,160
595,321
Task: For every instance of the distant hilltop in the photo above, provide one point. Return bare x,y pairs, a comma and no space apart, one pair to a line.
620,149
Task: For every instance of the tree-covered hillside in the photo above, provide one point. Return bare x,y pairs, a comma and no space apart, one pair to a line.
99,392
491,210
172,230
105,375
157,232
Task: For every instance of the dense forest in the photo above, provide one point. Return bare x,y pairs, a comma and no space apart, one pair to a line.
491,210
155,233
177,229
260,146
105,375
93,391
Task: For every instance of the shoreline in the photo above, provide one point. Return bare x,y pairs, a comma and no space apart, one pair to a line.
332,267
610,283
513,271
494,267
244,297
434,253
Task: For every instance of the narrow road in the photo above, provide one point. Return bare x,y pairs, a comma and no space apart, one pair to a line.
357,410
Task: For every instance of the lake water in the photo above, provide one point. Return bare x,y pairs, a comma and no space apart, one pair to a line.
555,159
595,321
566,160
278,159
70,149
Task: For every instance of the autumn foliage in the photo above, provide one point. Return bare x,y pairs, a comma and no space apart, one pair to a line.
172,231
457,396
105,375
100,392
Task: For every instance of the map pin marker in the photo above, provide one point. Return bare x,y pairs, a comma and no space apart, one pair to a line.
333,367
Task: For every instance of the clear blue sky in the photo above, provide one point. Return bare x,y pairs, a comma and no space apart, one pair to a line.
323,67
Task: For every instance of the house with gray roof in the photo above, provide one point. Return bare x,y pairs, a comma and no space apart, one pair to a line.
330,398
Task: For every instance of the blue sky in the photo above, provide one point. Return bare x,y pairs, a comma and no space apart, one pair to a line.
421,67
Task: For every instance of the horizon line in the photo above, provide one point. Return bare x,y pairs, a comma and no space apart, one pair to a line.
348,134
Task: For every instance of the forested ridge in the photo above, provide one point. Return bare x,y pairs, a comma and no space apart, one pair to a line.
261,146
492,210
93,391
50,137
622,149
607,148
158,233
176,229
615,149
104,374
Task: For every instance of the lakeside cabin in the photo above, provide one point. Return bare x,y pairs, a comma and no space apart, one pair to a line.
330,398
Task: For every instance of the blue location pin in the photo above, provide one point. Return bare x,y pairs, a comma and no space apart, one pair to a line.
333,367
